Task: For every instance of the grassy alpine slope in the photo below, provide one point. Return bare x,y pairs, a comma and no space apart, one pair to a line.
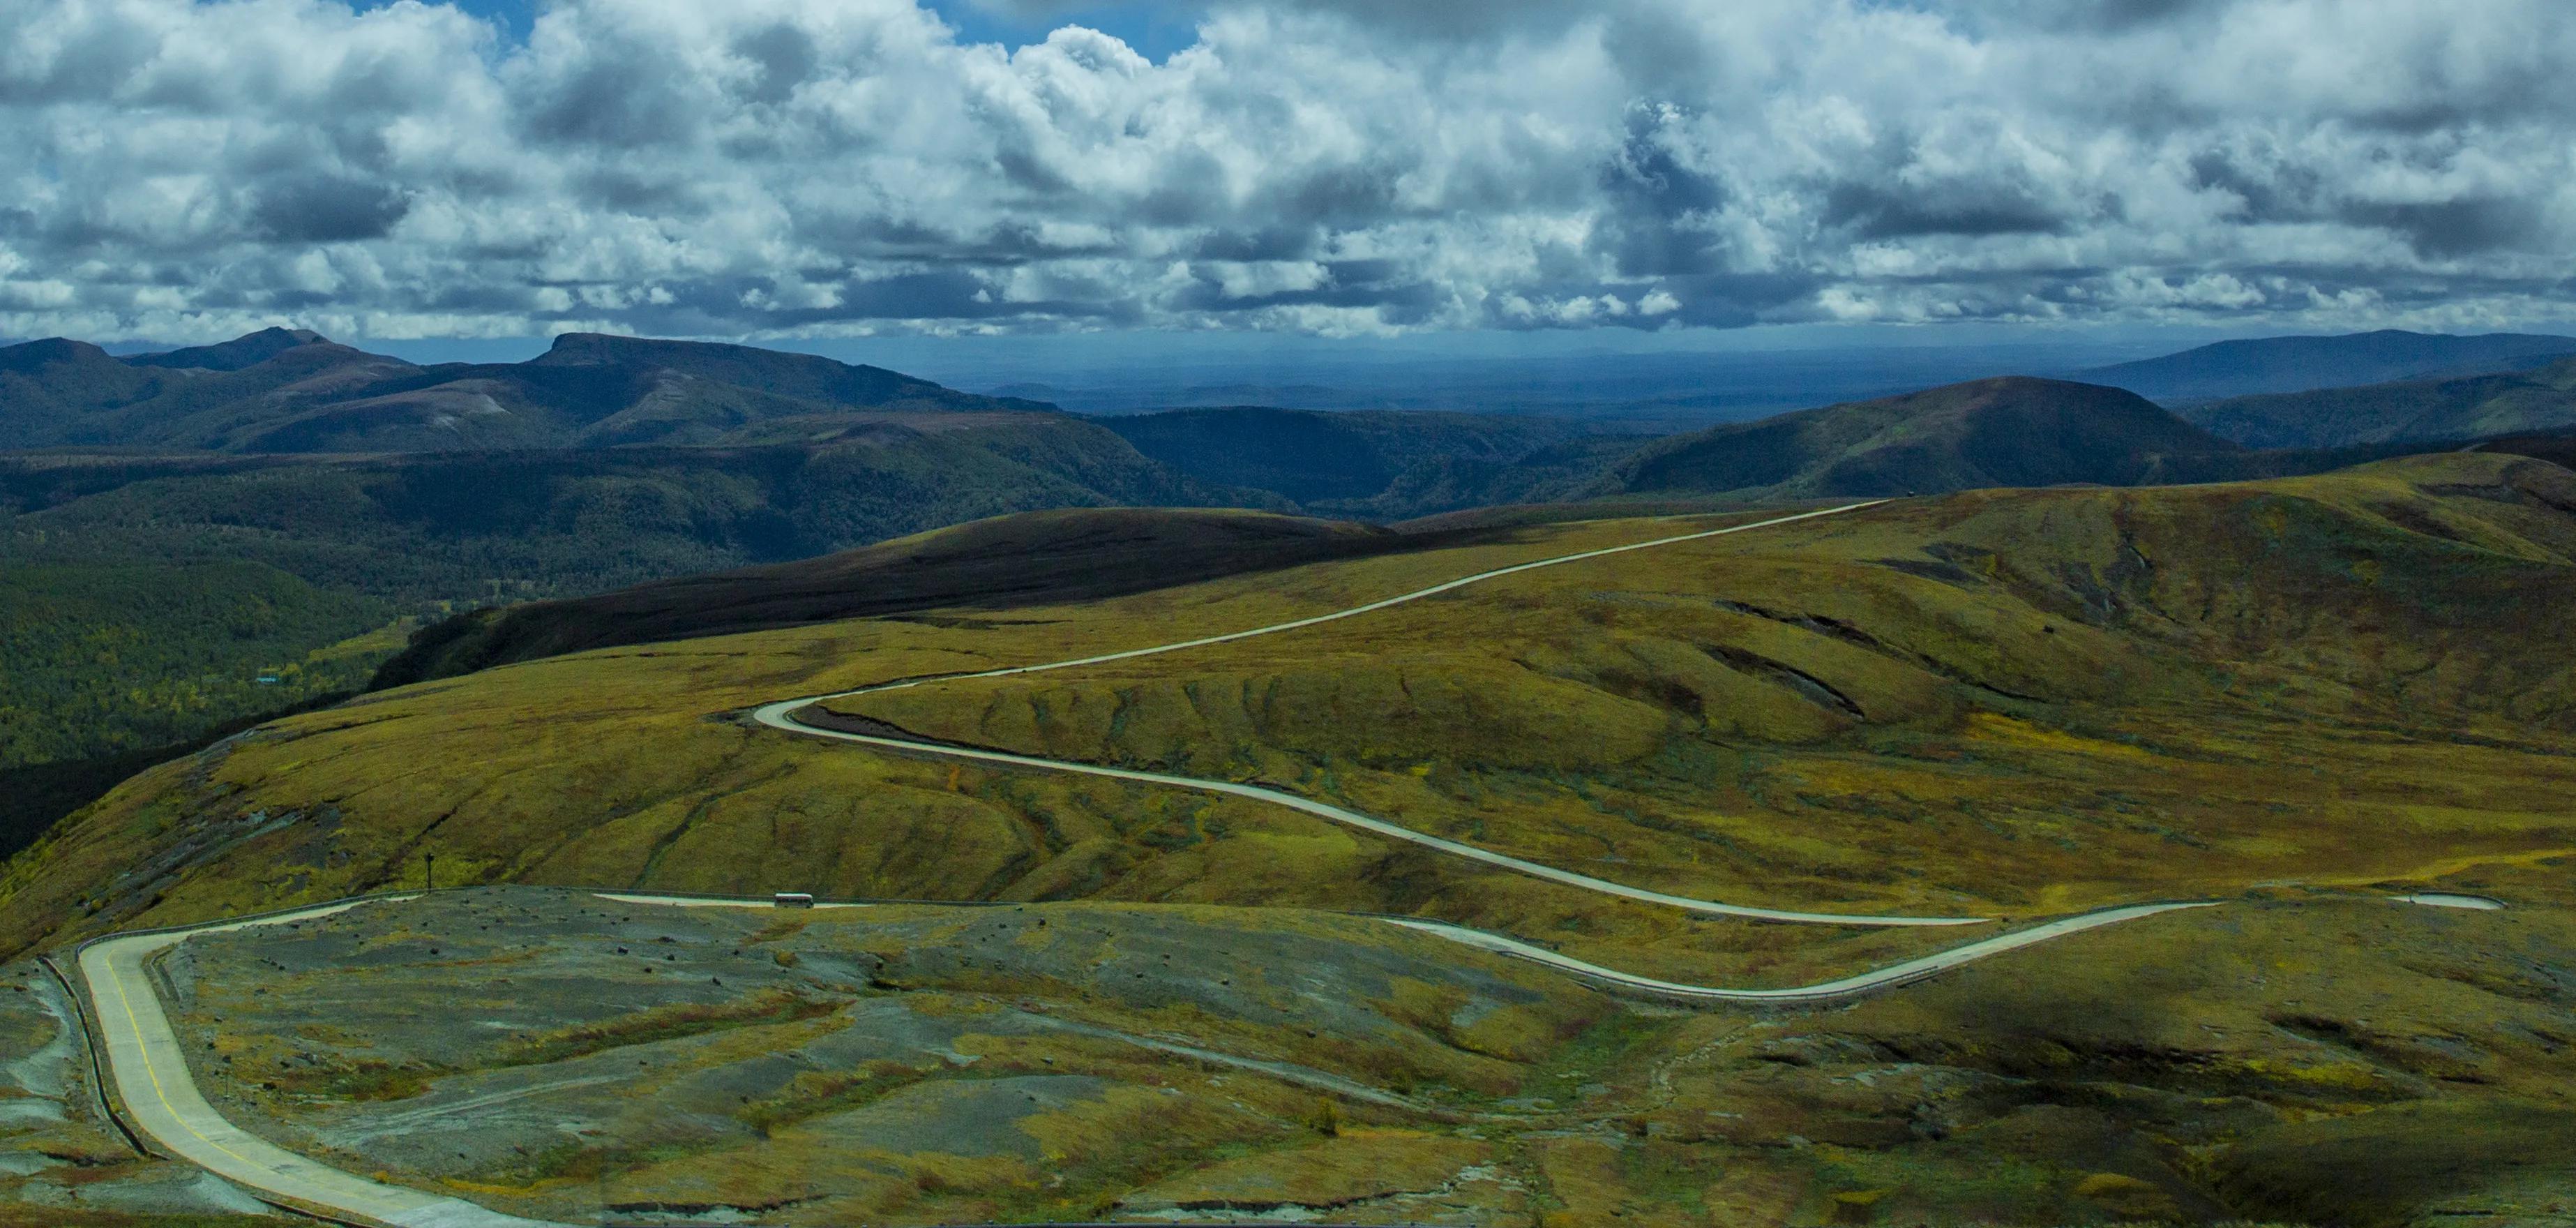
2013,702
2295,694
2076,697
830,456
618,767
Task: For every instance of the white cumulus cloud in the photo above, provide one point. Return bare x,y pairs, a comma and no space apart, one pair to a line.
180,168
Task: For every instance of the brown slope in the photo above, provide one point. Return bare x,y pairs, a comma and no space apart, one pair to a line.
1031,558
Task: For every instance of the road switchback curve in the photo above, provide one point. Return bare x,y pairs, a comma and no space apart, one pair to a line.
782,715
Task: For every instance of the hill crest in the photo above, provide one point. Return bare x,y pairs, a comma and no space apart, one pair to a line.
2003,431
1001,562
245,351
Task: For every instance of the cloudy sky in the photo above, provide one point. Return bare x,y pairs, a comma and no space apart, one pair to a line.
818,168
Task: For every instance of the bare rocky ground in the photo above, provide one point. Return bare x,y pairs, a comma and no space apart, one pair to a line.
60,1162
560,1054
2325,1057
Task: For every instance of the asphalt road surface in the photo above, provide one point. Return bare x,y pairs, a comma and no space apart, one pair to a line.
1821,993
1889,977
162,1098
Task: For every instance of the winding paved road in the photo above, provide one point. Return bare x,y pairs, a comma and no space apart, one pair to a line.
162,1098
1888,977
160,1093
782,715
1853,986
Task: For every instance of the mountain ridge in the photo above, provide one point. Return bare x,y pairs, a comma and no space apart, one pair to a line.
2004,431
295,391
1375,463
2261,365
244,351
2537,400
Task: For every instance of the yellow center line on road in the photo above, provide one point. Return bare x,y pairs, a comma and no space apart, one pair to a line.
276,1174
134,1028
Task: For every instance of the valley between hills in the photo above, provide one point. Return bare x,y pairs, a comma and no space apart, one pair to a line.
2189,853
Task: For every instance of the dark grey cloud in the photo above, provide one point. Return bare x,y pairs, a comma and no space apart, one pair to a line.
2456,228
180,169
1656,201
2089,15
1873,211
784,57
326,209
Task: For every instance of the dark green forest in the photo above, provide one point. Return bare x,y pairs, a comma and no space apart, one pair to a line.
119,656
141,598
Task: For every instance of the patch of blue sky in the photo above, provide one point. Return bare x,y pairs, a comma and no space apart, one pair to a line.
1155,30
512,17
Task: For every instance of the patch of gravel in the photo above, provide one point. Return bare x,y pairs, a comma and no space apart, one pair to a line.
974,1117
571,1046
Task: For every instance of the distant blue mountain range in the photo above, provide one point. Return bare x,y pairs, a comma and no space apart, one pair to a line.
2302,364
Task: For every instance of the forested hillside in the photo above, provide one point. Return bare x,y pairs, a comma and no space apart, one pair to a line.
105,658
2417,411
1377,463
143,596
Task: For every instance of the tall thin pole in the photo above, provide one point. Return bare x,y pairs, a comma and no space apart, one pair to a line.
429,870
